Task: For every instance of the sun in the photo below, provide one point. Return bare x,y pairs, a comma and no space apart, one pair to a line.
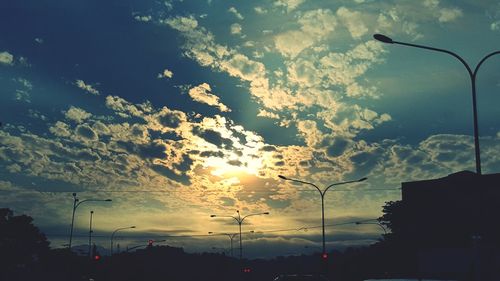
234,167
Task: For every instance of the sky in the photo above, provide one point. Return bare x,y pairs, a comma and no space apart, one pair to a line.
177,110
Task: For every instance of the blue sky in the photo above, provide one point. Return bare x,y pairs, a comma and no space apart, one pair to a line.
182,109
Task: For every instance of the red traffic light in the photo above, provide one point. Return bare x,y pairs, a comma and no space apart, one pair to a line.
150,242
247,270
324,256
97,257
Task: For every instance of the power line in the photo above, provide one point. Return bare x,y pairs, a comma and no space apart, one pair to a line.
218,234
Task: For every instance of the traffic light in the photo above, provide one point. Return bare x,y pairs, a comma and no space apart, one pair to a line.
247,270
150,242
97,257
324,256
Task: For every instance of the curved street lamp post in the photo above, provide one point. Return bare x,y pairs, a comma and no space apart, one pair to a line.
76,203
472,76
239,219
113,235
322,193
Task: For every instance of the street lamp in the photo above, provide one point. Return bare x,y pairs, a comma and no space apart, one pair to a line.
76,203
368,222
239,219
90,234
113,235
322,193
231,237
472,76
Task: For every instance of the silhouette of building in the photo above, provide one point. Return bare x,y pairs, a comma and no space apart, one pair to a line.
453,223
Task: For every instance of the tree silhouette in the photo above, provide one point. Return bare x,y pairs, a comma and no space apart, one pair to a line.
22,244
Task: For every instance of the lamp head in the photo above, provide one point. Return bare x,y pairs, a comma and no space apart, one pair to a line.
133,226
210,232
108,200
362,179
383,38
213,216
266,213
282,177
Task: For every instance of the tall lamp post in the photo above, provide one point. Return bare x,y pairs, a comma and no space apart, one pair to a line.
472,76
76,203
113,235
239,219
322,193
90,234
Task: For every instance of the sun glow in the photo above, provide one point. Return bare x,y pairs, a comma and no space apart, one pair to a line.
234,167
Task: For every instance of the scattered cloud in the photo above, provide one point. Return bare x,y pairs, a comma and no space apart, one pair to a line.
77,114
165,74
235,28
86,87
146,18
235,12
203,94
6,58
290,5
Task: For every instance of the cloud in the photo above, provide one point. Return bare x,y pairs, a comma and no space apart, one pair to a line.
315,26
449,14
260,10
267,114
6,58
353,20
289,4
235,28
123,107
443,14
77,114
87,87
146,18
235,12
60,129
86,133
203,94
165,74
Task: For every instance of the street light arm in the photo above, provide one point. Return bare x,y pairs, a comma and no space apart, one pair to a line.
484,59
257,214
438,50
217,216
93,200
304,182
385,39
344,182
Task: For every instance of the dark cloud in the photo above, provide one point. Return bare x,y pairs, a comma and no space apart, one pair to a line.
207,154
235,163
88,156
337,147
185,165
268,148
213,137
304,163
170,120
279,163
86,132
154,149
164,171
